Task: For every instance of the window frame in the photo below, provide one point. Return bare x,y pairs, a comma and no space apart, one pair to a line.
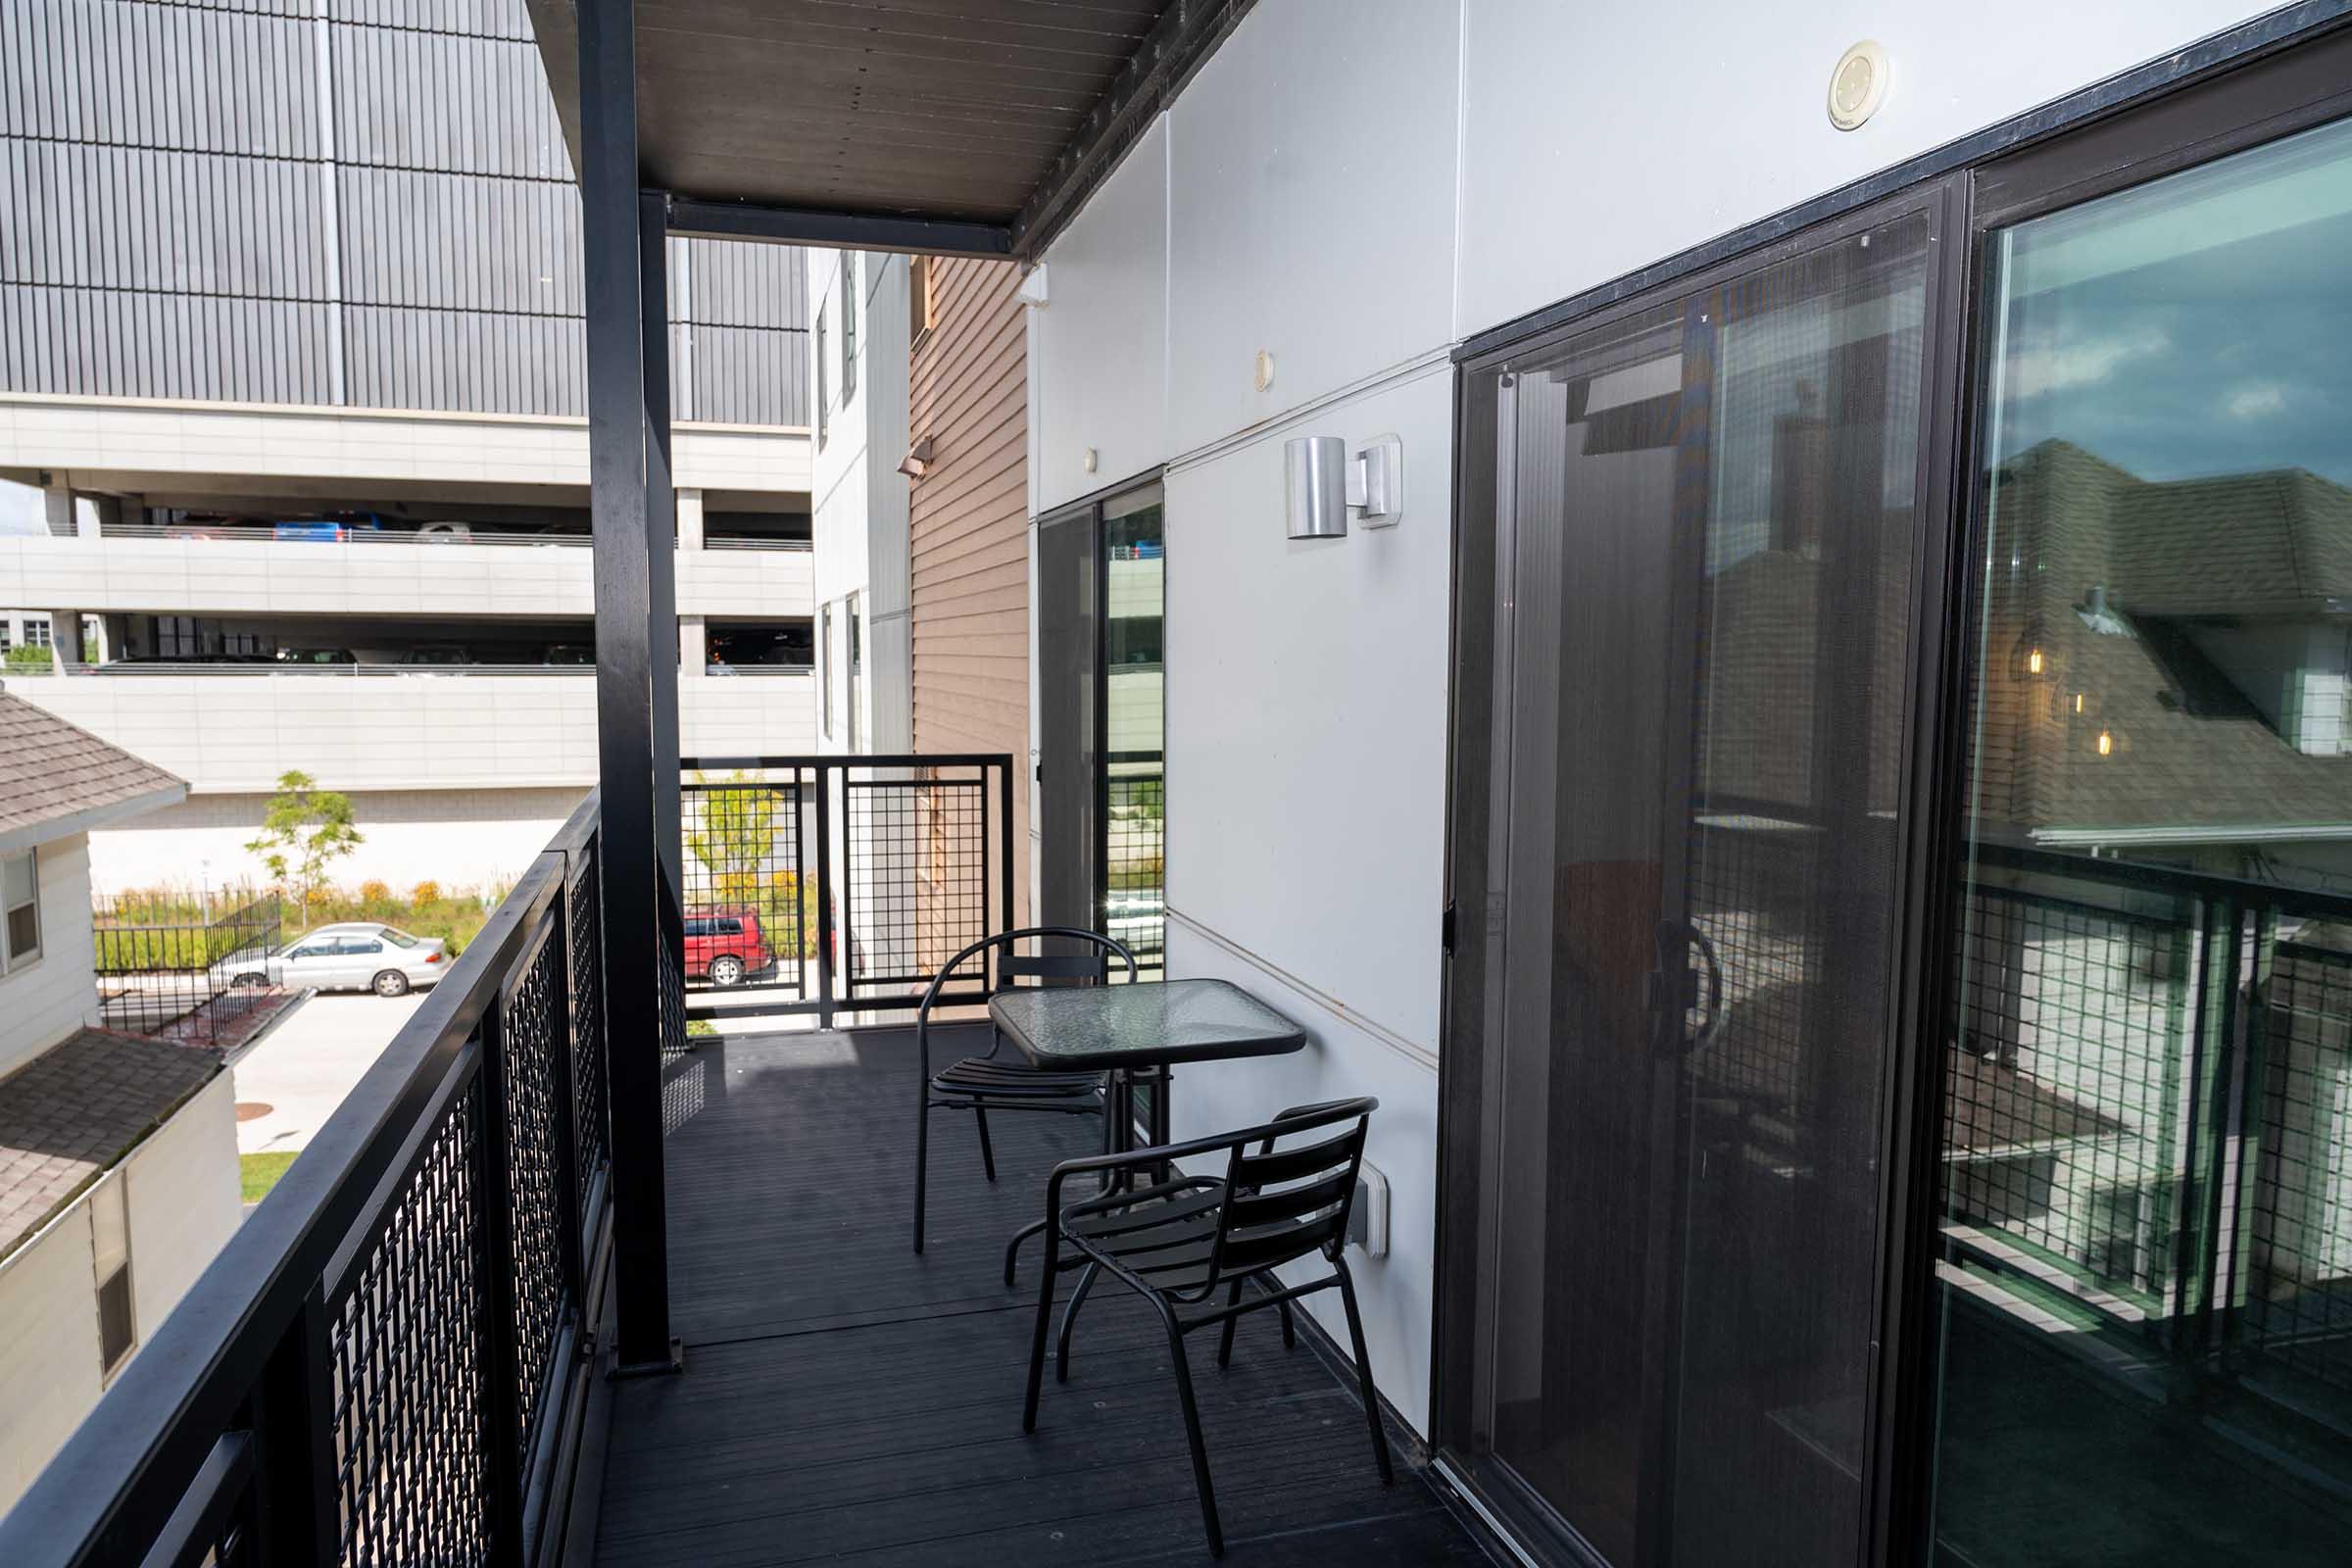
11,962
849,327
114,1187
824,393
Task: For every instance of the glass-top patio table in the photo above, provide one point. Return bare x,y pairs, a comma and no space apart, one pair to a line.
1136,1033
1113,1028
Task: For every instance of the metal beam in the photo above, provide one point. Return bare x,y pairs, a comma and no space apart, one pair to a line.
635,887
661,542
1178,44
863,232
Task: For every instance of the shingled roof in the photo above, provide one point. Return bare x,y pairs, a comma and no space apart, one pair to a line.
76,1109
2190,751
58,778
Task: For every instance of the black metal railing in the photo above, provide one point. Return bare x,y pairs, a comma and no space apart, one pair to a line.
817,884
390,1363
2149,1109
187,969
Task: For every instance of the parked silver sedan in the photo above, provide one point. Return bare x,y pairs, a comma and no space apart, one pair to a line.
354,955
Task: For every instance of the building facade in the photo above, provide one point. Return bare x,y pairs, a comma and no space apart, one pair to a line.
290,302
118,1152
1585,804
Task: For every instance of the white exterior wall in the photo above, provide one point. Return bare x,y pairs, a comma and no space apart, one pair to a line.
1437,169
859,500
42,1002
478,839
184,1204
237,733
307,577
49,1374
135,444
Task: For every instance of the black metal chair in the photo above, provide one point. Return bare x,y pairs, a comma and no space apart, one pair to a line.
1180,1241
982,1084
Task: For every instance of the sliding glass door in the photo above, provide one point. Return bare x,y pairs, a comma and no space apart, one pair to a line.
1704,536
1898,1082
2145,1248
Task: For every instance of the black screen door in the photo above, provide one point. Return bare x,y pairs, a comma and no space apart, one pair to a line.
1704,530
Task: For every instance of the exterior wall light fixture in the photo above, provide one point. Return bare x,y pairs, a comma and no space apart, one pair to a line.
1324,482
917,462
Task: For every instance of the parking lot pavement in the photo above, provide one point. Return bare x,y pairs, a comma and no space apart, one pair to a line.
304,1068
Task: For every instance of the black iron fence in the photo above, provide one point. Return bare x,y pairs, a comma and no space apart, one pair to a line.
182,969
817,884
2149,1107
390,1363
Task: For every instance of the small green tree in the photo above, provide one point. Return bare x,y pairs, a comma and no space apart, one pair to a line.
304,830
733,832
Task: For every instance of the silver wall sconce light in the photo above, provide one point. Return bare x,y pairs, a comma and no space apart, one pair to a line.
917,462
1324,482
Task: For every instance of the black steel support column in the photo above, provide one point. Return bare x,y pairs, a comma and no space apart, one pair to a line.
635,887
662,532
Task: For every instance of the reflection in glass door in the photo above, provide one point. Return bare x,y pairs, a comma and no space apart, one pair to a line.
1705,552
1134,888
2144,1260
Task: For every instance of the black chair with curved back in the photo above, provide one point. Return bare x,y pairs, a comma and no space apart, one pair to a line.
993,1081
1182,1241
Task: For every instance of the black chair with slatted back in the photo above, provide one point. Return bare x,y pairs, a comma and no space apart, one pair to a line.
1181,1242
995,1082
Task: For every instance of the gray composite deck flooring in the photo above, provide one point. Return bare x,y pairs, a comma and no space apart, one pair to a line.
847,1401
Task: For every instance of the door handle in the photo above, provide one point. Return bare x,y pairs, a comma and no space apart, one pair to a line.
1670,986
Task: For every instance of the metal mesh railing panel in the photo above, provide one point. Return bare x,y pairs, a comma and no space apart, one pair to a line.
750,902
406,1353
2065,1116
1135,863
2298,1306
530,1032
588,1089
917,887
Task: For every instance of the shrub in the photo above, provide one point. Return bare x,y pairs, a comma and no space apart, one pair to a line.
29,661
425,893
372,891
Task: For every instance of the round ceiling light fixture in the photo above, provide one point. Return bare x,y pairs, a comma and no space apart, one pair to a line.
1859,84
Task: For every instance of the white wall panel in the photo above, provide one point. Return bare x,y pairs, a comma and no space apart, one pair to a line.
185,1201
1306,716
176,577
1310,208
1340,1061
1599,139
1099,349
43,1001
409,731
462,839
48,1347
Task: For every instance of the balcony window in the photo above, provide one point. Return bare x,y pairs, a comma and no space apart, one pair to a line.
849,325
109,1263
20,911
824,384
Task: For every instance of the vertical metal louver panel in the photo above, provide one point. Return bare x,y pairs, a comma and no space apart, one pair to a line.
165,230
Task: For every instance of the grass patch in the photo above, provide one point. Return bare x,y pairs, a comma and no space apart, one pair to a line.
260,1172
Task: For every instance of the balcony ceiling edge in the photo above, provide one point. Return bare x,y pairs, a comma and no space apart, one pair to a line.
957,130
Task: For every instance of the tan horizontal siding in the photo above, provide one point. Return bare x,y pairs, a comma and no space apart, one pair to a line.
968,518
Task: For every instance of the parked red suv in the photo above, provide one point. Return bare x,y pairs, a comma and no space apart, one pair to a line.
723,946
